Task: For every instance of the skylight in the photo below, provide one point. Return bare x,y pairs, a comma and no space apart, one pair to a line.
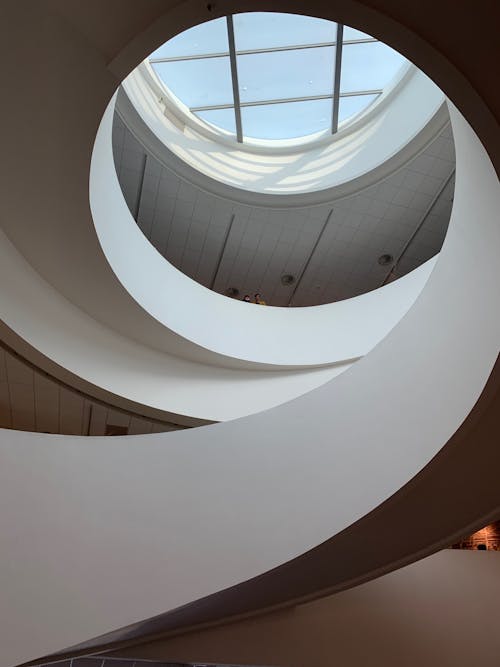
270,76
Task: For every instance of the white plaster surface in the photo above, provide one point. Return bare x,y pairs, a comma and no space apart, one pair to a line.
125,368
132,527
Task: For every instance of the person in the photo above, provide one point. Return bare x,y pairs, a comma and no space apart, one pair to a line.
247,298
259,300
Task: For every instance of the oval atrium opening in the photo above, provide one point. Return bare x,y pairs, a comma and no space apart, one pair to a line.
285,159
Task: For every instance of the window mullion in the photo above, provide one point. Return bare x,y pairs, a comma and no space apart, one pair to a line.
336,77
234,78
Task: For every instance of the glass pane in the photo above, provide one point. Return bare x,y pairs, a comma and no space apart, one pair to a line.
350,106
210,37
284,74
198,82
352,33
368,66
219,118
260,30
286,121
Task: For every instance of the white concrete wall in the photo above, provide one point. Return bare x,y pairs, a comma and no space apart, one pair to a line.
104,533
442,610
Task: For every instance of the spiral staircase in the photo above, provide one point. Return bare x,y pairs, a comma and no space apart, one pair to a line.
303,520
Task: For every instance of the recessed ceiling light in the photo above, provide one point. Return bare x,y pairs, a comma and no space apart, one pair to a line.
386,259
287,279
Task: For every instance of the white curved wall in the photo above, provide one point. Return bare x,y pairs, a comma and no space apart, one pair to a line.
332,333
104,359
442,610
188,387
162,520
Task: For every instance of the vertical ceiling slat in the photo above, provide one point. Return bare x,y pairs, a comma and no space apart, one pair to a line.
306,265
46,404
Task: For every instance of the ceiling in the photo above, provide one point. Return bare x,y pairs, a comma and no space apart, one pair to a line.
31,400
331,250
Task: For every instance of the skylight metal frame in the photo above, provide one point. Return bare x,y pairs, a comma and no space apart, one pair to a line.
250,52
336,78
233,54
234,78
285,100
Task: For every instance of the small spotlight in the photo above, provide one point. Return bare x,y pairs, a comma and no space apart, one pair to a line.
287,279
386,259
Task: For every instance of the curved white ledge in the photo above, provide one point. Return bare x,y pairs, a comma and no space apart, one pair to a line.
313,336
109,365
383,139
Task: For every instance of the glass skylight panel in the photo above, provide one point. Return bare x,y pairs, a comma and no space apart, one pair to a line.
286,74
198,83
353,105
219,118
368,66
287,121
210,37
264,30
352,33
285,81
